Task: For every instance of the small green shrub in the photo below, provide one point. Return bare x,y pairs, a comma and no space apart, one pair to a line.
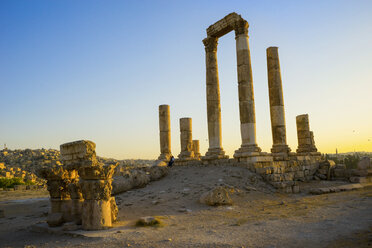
10,182
155,223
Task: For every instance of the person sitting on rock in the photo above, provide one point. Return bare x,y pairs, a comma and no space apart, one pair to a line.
171,161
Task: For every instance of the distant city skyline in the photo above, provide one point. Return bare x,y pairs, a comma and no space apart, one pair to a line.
95,70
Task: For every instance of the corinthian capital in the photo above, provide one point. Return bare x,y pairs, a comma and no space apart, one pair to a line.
241,27
210,44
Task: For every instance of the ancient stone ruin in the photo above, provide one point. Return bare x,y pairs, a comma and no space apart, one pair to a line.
282,168
80,189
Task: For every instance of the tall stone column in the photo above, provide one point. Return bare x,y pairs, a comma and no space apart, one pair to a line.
196,149
187,152
165,133
305,137
280,148
215,150
246,96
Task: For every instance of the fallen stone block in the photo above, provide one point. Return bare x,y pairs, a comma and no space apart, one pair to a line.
358,179
217,196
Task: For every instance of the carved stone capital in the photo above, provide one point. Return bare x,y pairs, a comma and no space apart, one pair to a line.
241,27
210,44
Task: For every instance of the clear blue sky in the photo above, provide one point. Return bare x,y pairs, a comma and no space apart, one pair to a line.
98,70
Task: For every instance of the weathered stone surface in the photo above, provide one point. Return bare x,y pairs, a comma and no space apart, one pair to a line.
137,178
114,210
306,143
196,149
215,150
186,139
96,214
140,178
78,154
55,219
157,172
2,214
165,133
215,197
280,148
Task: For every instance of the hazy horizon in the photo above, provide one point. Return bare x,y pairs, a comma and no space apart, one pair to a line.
95,70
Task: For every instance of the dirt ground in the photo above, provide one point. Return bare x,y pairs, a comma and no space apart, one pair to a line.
259,217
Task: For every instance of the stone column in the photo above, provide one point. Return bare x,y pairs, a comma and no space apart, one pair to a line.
215,150
305,137
246,96
165,133
77,200
196,149
94,185
280,149
58,180
186,139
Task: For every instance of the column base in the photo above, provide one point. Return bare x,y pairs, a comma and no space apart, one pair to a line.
165,156
280,152
215,153
186,155
303,156
306,149
247,151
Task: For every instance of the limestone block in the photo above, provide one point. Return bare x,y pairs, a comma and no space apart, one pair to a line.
73,153
295,189
55,219
299,174
215,197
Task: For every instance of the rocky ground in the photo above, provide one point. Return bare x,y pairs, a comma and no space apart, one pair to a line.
259,217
